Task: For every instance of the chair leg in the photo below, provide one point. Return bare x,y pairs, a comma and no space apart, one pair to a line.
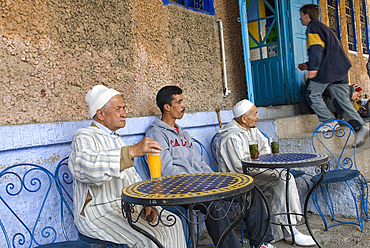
359,193
316,204
364,188
242,234
329,202
359,215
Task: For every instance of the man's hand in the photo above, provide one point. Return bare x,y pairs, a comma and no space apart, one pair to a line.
151,214
303,66
145,146
312,74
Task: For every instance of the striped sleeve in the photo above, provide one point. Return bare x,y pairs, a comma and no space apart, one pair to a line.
91,165
315,50
232,152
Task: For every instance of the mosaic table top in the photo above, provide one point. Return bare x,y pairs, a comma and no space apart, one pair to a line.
287,160
187,188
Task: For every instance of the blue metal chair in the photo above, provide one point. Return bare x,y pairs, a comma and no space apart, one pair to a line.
214,150
202,150
28,196
342,168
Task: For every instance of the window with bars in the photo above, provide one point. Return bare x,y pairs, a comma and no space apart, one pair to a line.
351,29
205,6
364,27
334,20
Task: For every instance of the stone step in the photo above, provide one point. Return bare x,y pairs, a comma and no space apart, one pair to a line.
291,126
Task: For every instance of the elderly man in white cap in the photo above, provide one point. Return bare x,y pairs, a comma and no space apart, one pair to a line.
102,165
233,146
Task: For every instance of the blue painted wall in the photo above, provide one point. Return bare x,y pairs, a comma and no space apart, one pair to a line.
46,144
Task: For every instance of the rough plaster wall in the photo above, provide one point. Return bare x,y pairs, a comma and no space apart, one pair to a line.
53,51
228,12
176,46
358,73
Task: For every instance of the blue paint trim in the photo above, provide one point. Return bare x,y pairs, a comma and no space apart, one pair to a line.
366,27
285,44
46,134
247,61
352,8
58,135
338,21
211,10
364,6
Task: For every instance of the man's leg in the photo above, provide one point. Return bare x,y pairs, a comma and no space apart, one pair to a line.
216,228
340,92
256,220
317,103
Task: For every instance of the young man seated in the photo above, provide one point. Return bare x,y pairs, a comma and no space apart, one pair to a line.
179,156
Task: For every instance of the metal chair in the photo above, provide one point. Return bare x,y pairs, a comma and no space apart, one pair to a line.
342,168
202,150
29,195
65,179
214,151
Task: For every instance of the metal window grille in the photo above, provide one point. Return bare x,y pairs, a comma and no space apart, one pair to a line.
205,6
351,30
334,20
364,28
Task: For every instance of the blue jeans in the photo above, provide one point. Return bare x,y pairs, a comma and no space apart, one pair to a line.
340,92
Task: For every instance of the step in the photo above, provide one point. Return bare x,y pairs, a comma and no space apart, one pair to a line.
291,126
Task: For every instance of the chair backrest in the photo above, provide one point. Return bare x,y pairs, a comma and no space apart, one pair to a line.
336,143
145,166
203,152
30,200
267,137
214,151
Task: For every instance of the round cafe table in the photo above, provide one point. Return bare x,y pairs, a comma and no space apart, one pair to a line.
287,161
186,189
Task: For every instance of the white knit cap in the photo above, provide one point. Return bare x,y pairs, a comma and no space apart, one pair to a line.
242,107
97,97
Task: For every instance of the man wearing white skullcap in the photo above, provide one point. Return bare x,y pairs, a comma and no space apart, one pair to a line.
233,145
102,165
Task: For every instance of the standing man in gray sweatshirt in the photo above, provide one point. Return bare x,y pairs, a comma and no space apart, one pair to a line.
179,156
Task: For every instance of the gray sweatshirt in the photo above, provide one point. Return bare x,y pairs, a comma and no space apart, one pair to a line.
178,156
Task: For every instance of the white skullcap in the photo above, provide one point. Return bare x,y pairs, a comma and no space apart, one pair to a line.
242,107
97,97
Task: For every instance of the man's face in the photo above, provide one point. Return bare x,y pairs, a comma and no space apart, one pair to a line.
177,109
250,118
305,19
356,95
114,117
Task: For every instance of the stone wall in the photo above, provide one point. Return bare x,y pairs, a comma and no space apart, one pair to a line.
53,51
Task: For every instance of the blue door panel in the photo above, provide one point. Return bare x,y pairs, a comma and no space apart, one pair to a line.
299,50
268,73
274,80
